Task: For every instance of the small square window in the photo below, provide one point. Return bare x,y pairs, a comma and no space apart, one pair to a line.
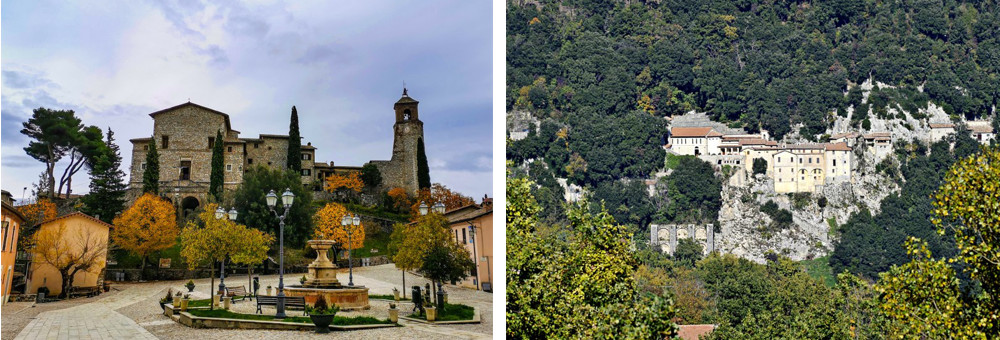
229,167
229,149
145,147
143,166
249,160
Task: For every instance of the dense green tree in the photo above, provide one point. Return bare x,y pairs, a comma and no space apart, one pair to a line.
371,176
759,166
216,177
249,200
294,157
56,134
107,183
627,201
692,193
151,175
579,286
423,171
448,263
688,252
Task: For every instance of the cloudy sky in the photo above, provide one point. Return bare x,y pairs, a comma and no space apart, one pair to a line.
343,64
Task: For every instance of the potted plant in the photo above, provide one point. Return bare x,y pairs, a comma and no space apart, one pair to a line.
322,314
190,286
269,290
393,313
303,280
165,299
395,294
184,302
431,311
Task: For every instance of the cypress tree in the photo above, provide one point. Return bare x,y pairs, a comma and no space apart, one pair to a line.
423,171
294,144
151,176
216,178
107,183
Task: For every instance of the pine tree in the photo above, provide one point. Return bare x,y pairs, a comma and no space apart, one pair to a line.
151,175
294,143
423,171
215,184
107,183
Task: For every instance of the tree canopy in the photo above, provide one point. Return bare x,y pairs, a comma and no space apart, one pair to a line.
149,225
249,200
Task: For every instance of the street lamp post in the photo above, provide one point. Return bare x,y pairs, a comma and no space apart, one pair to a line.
286,200
231,215
347,221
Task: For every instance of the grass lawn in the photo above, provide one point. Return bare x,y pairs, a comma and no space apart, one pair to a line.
386,297
672,160
819,268
451,312
337,320
200,303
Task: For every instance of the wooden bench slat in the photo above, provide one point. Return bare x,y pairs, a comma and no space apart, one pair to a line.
296,302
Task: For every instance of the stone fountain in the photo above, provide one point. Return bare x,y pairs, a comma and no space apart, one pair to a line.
322,280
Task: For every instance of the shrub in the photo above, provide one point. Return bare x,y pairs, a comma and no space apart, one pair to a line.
759,166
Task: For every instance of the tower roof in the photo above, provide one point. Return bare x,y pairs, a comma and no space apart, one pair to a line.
405,99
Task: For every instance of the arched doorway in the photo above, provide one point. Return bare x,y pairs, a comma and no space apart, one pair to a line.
189,205
696,151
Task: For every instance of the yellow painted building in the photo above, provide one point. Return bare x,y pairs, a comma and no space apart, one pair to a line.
472,226
80,229
803,167
12,221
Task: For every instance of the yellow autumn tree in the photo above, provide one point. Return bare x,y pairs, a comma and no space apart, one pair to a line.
69,254
35,213
400,199
411,243
439,193
222,238
327,226
350,181
148,226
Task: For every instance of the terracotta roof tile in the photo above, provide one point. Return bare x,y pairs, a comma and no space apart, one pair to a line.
693,132
693,332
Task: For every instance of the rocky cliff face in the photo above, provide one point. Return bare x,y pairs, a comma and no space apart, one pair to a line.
748,232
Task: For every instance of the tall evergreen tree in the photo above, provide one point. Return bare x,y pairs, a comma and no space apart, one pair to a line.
216,178
151,175
294,143
107,183
423,171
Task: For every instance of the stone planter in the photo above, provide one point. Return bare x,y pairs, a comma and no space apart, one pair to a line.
190,288
226,301
268,291
215,300
322,322
395,294
431,313
177,301
184,304
394,315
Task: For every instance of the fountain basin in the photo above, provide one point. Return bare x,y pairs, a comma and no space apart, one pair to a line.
346,298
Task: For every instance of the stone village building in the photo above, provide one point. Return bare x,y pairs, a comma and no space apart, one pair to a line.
185,135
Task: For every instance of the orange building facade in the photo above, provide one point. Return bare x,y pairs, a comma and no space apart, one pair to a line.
12,221
80,228
472,226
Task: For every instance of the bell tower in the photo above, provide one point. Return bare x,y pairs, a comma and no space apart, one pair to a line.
406,109
408,133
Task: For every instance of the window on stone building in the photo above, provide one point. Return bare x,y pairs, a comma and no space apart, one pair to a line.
165,141
143,167
229,149
810,160
306,172
185,170
463,236
145,147
834,162
211,142
229,167
249,160
306,157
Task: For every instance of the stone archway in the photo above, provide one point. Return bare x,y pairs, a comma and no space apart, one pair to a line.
189,205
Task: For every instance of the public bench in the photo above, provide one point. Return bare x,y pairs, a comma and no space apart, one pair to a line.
238,292
291,302
84,291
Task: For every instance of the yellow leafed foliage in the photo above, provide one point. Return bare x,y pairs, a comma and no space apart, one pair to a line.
38,212
147,226
327,226
220,238
414,241
439,193
400,200
69,253
351,181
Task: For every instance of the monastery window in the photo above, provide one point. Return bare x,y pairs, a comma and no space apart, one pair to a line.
834,162
166,141
306,172
143,166
249,160
810,160
306,157
145,147
800,160
211,142
185,170
229,167
229,149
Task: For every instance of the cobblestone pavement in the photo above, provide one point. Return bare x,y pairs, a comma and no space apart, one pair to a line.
134,313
